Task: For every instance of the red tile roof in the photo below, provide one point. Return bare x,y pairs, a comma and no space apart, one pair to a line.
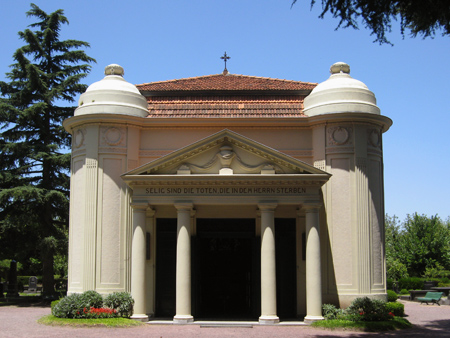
225,106
229,82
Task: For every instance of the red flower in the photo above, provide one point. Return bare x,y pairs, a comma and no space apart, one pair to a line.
391,314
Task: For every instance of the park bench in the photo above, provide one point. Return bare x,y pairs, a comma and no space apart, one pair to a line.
432,297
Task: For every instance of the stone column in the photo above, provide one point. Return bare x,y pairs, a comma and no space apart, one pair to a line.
138,263
183,280
313,270
268,268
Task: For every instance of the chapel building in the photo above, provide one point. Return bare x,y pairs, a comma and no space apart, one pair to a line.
228,197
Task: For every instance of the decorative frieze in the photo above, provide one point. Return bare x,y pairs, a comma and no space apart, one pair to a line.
110,150
339,136
374,138
113,136
340,150
78,138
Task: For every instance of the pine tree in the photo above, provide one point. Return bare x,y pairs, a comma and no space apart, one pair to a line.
35,157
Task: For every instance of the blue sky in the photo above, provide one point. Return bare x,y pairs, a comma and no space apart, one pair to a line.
163,40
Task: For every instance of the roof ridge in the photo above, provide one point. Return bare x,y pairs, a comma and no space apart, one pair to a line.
227,75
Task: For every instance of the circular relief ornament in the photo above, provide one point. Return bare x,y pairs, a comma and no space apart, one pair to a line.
78,138
113,136
340,135
375,138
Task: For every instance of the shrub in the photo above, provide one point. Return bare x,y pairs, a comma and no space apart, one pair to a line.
69,307
397,308
404,292
389,283
329,311
92,299
366,309
392,296
77,305
122,302
411,283
53,304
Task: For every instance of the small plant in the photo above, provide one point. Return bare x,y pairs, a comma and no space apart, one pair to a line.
366,309
404,292
396,308
329,311
122,302
392,296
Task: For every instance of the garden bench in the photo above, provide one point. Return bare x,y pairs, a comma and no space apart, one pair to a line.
432,297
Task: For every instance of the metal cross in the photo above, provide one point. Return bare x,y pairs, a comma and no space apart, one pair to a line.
225,58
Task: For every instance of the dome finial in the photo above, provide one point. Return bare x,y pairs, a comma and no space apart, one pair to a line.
114,69
340,67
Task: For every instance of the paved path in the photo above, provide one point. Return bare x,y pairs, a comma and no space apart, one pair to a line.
17,322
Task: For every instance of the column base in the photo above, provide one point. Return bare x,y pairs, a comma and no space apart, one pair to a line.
183,319
140,318
312,319
269,320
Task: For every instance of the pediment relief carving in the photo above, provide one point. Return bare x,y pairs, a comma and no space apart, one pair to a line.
227,162
225,153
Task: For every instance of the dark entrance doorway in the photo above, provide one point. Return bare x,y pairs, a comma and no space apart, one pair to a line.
286,266
226,269
166,258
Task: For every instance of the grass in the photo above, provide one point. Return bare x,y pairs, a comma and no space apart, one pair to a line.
395,324
100,322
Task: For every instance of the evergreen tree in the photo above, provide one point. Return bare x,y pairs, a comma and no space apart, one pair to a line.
421,18
35,158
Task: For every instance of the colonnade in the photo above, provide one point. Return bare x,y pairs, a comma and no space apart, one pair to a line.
268,268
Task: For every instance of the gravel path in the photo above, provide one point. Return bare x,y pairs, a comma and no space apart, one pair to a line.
16,322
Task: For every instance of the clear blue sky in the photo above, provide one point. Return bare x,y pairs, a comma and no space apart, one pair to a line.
162,40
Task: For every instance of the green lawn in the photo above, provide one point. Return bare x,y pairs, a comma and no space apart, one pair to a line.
107,322
394,324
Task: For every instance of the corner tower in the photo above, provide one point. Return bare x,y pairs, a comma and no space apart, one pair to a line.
347,138
103,126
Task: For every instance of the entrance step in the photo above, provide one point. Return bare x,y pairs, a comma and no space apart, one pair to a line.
219,324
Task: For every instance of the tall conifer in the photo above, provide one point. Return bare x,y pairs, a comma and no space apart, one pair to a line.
35,157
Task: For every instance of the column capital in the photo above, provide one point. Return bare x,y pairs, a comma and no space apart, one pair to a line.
150,212
139,207
184,206
267,206
311,207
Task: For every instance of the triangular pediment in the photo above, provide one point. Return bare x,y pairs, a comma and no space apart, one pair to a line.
226,153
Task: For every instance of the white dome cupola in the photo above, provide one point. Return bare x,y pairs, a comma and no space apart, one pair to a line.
340,94
112,95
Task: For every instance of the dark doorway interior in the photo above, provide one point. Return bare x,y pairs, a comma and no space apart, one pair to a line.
286,265
166,257
226,269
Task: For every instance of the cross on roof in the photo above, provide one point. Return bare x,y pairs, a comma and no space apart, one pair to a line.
225,58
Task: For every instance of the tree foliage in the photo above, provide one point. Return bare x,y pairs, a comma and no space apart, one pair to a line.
420,18
420,246
34,166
